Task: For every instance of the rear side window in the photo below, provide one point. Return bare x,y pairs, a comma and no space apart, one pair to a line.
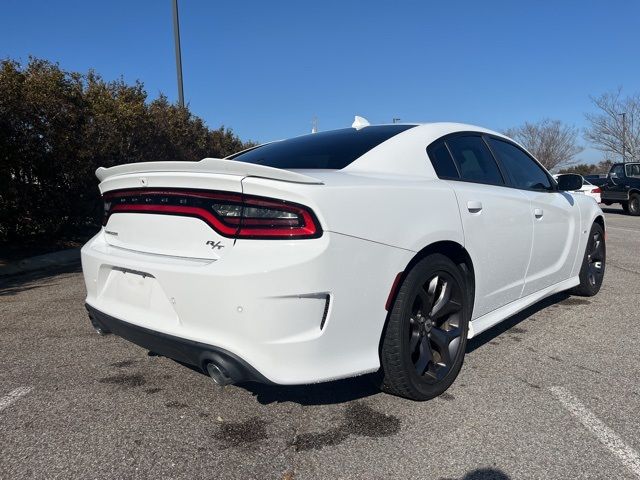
442,161
633,170
524,171
475,162
333,149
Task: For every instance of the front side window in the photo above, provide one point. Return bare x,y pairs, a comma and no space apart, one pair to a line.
475,162
618,170
524,171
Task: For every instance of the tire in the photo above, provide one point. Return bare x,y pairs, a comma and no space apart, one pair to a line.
607,203
625,206
633,207
423,345
593,264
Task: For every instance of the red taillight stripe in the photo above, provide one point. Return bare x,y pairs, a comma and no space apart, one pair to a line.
304,225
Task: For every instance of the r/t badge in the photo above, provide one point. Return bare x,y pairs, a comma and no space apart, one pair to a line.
215,245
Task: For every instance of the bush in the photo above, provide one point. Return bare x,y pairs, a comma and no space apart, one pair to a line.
57,127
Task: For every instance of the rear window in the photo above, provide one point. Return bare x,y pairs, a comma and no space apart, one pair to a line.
442,161
334,149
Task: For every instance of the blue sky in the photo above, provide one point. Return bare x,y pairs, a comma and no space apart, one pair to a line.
266,68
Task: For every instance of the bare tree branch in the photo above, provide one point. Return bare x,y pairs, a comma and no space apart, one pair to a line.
608,133
553,143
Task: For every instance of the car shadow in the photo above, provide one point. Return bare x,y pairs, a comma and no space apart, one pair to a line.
504,326
484,474
356,388
325,393
22,282
614,211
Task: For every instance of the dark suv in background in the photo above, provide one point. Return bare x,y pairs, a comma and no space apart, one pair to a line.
622,186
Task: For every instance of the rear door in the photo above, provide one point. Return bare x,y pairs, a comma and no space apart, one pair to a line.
497,224
555,215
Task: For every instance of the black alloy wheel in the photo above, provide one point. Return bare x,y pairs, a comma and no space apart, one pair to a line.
593,264
423,345
595,258
434,326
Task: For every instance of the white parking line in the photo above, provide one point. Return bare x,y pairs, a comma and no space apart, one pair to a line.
13,396
604,434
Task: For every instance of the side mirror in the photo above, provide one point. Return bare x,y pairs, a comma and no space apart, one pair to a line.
569,182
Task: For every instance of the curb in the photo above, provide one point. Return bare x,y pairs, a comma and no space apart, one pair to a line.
42,262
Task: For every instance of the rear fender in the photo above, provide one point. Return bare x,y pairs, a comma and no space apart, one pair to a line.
400,212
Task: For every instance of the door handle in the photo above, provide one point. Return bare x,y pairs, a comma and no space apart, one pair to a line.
474,206
538,212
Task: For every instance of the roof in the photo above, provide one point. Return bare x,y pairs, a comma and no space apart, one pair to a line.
405,153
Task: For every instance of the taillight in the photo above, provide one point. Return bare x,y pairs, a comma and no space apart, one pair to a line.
230,214
596,190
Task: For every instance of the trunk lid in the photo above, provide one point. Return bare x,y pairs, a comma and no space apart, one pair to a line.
181,209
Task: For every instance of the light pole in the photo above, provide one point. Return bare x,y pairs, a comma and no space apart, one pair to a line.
624,136
176,37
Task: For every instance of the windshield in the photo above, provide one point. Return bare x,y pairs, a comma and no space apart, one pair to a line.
334,149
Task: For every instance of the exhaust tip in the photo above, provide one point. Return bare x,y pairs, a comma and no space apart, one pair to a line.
218,375
100,330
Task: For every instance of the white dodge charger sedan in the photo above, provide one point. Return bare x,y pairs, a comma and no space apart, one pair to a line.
368,249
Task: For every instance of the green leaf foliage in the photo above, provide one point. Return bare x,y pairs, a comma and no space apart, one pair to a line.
57,127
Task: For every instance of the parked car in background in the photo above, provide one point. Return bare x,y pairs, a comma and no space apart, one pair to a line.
588,189
596,179
623,187
367,249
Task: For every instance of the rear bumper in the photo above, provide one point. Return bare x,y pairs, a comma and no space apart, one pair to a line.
186,351
296,312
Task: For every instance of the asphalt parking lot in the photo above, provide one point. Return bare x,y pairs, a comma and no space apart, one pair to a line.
554,392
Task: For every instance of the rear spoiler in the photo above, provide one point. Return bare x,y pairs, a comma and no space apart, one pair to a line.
208,165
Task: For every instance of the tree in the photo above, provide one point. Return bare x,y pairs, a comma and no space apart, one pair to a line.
580,169
604,166
42,114
611,132
553,143
599,168
57,127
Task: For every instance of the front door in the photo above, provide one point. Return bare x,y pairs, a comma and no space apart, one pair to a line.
498,228
555,221
615,187
555,238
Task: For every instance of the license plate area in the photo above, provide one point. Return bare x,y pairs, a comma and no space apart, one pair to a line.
135,296
132,287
